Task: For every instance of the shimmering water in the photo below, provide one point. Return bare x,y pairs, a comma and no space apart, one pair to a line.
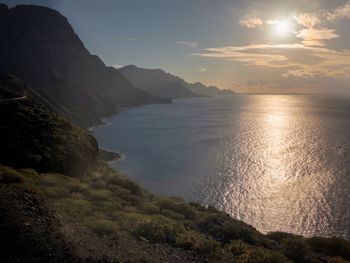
280,163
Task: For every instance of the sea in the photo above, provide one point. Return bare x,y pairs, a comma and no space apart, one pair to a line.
277,162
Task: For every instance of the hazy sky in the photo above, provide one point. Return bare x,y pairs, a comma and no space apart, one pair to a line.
252,46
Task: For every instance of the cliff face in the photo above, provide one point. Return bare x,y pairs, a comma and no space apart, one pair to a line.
158,82
40,47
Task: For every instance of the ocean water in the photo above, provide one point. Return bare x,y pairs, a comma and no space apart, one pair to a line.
277,162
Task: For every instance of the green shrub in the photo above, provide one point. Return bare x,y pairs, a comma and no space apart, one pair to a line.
30,173
296,248
149,208
195,241
245,253
260,255
74,208
330,246
237,247
278,236
129,220
102,226
159,229
224,228
172,214
178,207
109,207
130,185
99,194
10,176
56,191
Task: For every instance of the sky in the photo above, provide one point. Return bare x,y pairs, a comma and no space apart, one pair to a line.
256,46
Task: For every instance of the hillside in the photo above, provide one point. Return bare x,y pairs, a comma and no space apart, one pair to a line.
33,135
39,46
60,201
72,207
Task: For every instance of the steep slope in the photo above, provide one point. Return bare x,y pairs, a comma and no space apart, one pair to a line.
162,84
157,82
39,46
32,135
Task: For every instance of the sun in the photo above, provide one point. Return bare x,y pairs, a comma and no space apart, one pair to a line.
283,27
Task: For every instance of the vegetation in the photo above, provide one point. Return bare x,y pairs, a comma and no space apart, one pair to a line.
32,135
108,204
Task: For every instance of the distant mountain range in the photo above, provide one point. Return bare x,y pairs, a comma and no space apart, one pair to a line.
39,46
165,85
213,91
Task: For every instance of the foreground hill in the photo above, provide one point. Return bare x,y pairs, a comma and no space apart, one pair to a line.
33,135
39,46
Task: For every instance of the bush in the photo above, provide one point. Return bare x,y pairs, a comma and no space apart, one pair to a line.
10,176
30,173
74,207
99,194
260,255
172,214
109,207
56,191
330,246
251,254
224,229
279,236
178,207
160,229
195,241
102,226
237,247
296,248
149,208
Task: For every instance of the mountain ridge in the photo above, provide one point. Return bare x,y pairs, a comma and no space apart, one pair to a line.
41,48
164,84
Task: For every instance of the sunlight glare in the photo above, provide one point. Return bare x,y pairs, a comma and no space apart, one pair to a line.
283,27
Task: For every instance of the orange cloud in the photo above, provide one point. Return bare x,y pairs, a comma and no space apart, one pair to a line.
295,59
251,21
316,36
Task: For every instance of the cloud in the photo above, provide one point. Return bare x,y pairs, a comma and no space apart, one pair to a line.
187,43
117,66
202,69
307,20
342,12
316,36
296,60
251,21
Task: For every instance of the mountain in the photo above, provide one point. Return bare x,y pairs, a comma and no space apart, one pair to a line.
33,135
166,85
213,91
157,82
39,46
